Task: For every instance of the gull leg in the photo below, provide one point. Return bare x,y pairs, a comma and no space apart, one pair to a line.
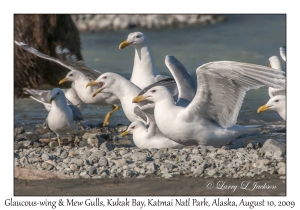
80,126
106,120
58,140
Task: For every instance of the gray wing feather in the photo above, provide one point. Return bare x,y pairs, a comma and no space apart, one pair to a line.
186,84
222,87
140,114
77,115
168,83
91,73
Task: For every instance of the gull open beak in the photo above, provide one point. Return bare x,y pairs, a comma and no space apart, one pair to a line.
51,100
97,91
91,83
263,108
63,81
139,98
124,133
124,44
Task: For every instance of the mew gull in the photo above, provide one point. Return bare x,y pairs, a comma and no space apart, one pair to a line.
144,71
80,75
277,96
62,118
211,116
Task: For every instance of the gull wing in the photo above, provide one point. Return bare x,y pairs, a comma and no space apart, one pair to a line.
140,114
77,115
91,73
282,51
41,96
222,86
275,64
167,82
186,84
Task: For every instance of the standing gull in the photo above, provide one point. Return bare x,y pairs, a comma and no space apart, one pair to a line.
144,71
80,75
62,118
277,96
211,116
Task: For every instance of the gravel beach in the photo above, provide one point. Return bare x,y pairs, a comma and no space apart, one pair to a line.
102,155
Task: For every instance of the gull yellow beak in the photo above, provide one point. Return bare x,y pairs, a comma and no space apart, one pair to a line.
139,98
124,133
97,91
63,81
51,100
124,44
263,108
91,83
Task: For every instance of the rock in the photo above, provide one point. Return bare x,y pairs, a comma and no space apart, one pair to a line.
168,166
64,154
271,146
92,170
77,161
95,140
121,128
167,175
128,173
73,167
30,136
281,171
211,172
106,146
102,161
18,130
120,162
47,166
139,156
199,170
53,144
47,156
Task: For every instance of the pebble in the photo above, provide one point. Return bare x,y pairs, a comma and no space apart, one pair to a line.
107,158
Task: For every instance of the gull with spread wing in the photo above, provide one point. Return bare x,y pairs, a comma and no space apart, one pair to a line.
211,116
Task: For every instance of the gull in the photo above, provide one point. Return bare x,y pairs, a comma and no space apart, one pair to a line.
277,96
80,75
145,137
62,118
210,117
144,71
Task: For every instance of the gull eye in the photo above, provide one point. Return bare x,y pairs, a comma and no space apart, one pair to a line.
132,127
71,75
153,91
138,36
105,77
277,100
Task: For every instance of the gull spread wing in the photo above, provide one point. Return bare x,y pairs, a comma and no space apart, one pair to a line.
222,86
186,84
91,73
